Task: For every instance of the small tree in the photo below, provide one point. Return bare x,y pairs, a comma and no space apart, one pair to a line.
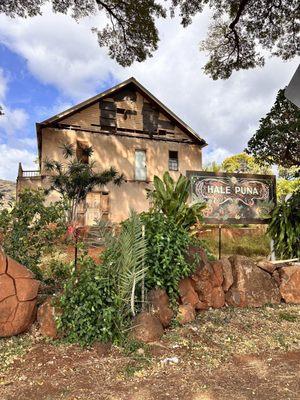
243,163
75,179
277,139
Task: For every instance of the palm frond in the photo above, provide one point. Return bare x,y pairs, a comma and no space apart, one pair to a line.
68,150
131,263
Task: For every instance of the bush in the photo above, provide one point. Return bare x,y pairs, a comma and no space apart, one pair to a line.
56,270
98,300
90,306
167,251
31,229
284,227
170,198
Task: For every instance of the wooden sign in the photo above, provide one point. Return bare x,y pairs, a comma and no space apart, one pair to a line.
233,198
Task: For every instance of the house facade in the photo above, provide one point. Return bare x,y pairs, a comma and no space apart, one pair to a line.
129,129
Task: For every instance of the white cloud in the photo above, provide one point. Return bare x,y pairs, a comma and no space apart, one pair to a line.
216,155
13,118
10,157
3,85
66,54
59,51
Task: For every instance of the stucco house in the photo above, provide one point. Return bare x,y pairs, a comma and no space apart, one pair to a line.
129,129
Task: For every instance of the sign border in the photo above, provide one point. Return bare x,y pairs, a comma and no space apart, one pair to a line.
233,221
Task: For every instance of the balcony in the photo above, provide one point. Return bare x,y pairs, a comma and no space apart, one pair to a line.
28,173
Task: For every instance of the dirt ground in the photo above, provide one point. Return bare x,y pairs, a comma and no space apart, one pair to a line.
223,355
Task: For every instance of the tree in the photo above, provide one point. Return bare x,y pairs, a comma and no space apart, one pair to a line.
212,167
286,183
243,163
239,30
126,40
77,178
277,139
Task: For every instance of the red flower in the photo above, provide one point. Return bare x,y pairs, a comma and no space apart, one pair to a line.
71,229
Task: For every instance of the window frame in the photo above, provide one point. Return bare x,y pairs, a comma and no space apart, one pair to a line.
135,166
172,159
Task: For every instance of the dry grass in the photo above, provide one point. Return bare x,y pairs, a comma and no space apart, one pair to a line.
223,354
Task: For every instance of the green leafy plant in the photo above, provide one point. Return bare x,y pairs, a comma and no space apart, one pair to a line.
31,229
99,300
56,270
170,198
90,305
167,251
284,227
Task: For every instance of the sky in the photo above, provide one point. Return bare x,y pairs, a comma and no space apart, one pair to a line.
51,62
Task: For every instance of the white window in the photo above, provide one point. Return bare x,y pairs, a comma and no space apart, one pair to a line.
140,165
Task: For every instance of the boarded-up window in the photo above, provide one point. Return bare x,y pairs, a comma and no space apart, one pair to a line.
150,118
108,114
140,165
173,160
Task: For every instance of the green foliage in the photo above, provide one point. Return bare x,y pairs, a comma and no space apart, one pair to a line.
284,227
170,198
98,300
240,33
126,255
277,139
213,167
31,229
287,316
77,178
56,271
286,187
90,305
167,250
243,163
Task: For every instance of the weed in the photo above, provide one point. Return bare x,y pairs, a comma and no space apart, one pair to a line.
286,316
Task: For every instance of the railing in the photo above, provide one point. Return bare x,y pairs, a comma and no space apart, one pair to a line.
28,174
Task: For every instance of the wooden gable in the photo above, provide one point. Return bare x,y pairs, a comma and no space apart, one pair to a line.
126,110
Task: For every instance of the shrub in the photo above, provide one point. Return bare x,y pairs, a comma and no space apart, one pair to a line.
98,300
56,270
284,227
170,198
31,229
167,250
90,306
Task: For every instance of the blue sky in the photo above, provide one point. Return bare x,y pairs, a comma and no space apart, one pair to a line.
49,63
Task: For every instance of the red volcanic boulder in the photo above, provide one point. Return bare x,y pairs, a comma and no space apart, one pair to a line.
46,318
186,314
187,292
252,287
227,274
18,293
290,284
147,327
267,266
208,282
160,305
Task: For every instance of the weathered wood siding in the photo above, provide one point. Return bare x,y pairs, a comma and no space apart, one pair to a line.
128,110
